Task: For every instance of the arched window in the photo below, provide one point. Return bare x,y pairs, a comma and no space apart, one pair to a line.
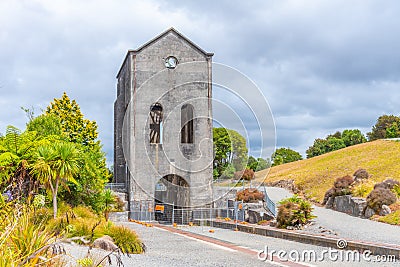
187,129
156,114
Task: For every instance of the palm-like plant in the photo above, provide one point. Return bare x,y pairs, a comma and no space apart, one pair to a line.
56,164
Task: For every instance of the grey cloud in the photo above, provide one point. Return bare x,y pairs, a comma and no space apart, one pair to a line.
322,65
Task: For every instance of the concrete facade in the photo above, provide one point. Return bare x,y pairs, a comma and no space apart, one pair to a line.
174,168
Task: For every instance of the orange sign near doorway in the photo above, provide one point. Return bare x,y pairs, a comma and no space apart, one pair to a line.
159,208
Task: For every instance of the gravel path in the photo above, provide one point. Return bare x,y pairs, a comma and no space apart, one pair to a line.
343,225
257,242
170,249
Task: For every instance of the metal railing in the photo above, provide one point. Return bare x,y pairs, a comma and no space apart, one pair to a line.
269,203
120,187
145,211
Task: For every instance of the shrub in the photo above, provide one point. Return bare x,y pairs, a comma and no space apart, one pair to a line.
249,195
294,211
343,183
247,174
228,172
380,196
361,174
22,238
362,189
83,212
395,206
396,190
392,218
341,187
126,240
387,184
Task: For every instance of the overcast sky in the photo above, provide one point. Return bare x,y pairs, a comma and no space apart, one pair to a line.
322,65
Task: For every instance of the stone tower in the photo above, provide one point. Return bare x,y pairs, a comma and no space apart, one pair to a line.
163,151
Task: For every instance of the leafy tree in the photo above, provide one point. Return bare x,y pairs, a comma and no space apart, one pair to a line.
252,163
257,164
353,137
238,155
393,131
56,164
16,150
319,147
228,171
109,201
45,125
74,125
229,149
262,164
92,177
382,124
93,174
335,144
285,155
222,149
337,135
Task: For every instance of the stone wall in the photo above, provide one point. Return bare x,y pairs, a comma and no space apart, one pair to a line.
355,206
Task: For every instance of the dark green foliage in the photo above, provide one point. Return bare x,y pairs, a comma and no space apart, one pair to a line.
294,211
285,155
230,150
385,124
393,131
335,141
335,144
319,147
64,122
252,163
228,172
353,137
257,164
249,195
380,196
337,135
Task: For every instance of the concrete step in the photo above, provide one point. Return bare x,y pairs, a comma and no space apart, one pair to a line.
118,216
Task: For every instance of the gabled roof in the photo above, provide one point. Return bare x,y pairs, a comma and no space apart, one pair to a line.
155,39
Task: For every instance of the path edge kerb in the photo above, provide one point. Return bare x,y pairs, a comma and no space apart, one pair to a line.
325,241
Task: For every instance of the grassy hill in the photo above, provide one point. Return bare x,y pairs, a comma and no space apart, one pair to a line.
315,176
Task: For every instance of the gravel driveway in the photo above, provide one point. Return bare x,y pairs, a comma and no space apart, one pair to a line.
344,225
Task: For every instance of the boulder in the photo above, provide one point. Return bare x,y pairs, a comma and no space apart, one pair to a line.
256,215
368,213
385,210
351,205
255,212
329,202
105,242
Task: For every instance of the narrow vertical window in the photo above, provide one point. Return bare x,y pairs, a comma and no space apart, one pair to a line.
156,114
187,129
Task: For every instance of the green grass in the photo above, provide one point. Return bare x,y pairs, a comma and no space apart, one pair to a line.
316,175
392,218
